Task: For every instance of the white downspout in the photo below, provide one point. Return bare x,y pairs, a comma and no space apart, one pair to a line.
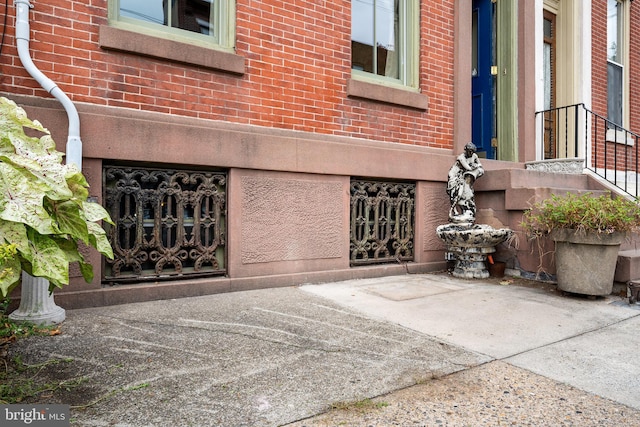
74,144
36,302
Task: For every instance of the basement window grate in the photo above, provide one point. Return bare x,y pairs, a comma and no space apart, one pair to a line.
168,223
382,222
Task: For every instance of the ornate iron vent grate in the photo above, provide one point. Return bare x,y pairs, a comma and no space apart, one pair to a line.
168,223
382,228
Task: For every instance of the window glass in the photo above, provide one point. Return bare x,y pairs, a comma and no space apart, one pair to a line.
548,28
615,68
208,22
381,36
614,93
614,33
145,10
191,15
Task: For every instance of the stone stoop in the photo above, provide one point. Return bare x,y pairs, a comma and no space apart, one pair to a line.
506,193
522,188
627,277
628,267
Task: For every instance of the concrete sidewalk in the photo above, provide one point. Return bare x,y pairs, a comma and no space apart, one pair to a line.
277,356
592,344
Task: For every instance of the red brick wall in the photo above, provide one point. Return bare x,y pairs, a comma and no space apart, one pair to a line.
599,70
599,57
599,76
634,69
297,64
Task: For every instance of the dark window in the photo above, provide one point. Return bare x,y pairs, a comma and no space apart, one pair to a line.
190,15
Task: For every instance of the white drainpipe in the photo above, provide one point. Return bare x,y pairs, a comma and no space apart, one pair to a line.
74,144
36,303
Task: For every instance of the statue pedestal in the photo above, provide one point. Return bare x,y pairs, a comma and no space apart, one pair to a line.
470,263
36,303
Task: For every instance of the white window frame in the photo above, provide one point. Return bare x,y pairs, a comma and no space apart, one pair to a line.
409,47
624,27
223,40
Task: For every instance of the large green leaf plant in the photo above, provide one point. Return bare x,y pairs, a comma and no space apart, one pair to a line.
44,211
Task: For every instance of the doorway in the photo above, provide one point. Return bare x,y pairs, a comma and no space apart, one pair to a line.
484,78
549,63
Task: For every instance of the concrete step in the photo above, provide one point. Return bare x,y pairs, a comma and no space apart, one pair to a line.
507,192
502,179
522,188
628,267
523,198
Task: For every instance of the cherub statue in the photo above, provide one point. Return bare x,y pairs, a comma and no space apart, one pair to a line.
462,175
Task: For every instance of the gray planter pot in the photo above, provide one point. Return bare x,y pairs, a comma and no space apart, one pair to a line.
586,262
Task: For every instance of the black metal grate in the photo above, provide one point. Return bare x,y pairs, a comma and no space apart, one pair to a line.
382,222
168,223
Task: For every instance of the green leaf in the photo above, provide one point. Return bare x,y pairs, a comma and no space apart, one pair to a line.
10,272
21,200
87,271
95,212
49,260
15,233
98,239
77,184
15,118
70,221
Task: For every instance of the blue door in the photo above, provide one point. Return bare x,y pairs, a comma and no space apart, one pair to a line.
483,81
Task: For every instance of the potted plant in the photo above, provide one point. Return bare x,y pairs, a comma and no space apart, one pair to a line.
587,231
45,213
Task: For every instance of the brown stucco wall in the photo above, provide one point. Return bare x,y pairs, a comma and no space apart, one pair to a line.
281,223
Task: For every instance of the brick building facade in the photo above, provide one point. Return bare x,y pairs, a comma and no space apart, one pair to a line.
292,65
253,158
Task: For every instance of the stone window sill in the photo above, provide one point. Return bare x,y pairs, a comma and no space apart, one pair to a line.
390,95
620,137
112,38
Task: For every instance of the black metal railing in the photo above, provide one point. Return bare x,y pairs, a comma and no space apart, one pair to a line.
613,152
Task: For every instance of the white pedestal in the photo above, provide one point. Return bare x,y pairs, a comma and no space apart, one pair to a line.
36,303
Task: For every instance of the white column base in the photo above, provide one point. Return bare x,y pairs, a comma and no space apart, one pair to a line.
36,304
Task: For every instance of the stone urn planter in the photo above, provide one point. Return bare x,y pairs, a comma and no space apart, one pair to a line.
587,231
586,262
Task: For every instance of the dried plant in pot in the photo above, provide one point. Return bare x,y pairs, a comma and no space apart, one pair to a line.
587,231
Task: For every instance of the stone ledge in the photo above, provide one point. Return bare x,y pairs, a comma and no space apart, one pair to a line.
150,291
567,166
117,39
389,95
